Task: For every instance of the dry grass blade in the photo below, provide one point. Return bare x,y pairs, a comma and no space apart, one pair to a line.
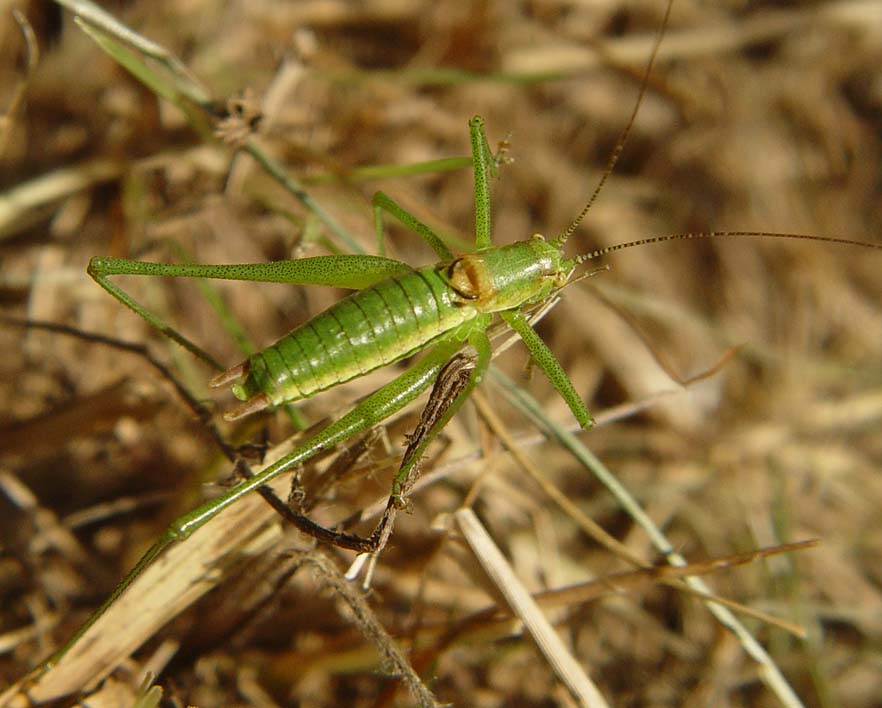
522,605
599,535
480,623
22,205
176,580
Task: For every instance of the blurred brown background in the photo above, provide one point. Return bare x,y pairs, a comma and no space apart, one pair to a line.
758,116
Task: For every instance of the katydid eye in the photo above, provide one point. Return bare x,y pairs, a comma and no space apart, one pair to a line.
462,280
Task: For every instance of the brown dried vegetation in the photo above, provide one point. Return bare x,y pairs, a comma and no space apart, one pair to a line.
757,117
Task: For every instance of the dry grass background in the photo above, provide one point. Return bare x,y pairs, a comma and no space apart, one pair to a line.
759,116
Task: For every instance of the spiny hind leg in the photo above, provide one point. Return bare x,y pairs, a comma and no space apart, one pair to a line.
370,412
102,268
452,387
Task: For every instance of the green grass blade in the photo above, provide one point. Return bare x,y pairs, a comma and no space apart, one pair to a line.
530,407
375,172
96,22
153,80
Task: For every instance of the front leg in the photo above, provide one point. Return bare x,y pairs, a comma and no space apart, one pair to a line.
383,202
543,356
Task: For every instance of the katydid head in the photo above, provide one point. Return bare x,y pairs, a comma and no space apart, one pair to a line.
506,277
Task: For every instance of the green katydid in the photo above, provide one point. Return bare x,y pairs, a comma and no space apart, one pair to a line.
395,312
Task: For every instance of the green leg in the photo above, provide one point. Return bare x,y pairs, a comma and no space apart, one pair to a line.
383,202
371,411
452,386
543,356
484,162
155,321
478,339
354,272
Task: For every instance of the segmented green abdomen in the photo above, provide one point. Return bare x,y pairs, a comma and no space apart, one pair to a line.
366,330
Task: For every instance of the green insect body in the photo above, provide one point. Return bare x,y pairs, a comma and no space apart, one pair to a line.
393,319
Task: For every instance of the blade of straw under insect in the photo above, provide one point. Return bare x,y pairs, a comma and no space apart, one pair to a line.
769,671
524,607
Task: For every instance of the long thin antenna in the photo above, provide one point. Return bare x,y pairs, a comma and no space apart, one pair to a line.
721,234
620,144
